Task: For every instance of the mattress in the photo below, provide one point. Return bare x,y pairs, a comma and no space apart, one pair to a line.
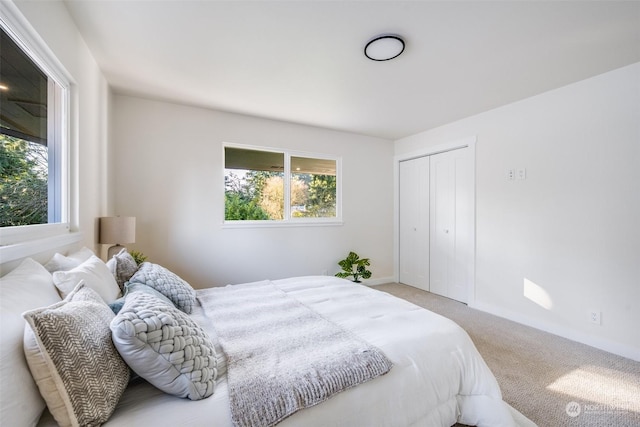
438,377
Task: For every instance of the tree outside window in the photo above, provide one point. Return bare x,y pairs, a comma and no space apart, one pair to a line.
23,182
256,185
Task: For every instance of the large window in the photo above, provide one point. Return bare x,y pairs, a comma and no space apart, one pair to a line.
32,140
34,126
271,186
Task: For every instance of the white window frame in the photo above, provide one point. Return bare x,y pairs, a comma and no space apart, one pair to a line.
288,221
17,242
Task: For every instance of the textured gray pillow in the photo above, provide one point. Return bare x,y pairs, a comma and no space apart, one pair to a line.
117,305
168,284
139,287
125,267
73,360
165,347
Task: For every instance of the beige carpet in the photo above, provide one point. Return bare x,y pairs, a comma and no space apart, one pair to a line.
551,380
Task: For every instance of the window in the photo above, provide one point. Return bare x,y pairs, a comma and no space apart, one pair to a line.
34,170
273,186
33,102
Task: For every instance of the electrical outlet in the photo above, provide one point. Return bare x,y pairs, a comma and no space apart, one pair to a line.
511,174
594,317
522,174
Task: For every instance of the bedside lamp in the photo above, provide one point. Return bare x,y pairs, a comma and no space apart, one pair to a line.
117,230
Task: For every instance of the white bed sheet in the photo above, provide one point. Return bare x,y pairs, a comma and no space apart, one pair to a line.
438,377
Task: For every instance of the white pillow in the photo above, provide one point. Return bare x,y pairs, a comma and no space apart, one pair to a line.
111,265
26,287
59,262
96,276
73,360
81,255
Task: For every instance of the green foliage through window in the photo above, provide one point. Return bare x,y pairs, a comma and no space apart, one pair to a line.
23,182
320,196
255,186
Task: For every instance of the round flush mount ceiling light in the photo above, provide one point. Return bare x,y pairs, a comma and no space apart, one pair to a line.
384,47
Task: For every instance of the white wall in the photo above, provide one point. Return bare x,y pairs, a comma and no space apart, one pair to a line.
89,133
572,227
169,174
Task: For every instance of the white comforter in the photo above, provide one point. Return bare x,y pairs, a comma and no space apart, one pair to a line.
438,377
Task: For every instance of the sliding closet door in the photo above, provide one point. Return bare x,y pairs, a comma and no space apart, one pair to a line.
451,214
414,222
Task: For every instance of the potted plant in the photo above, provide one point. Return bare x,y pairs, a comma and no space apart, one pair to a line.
354,266
138,257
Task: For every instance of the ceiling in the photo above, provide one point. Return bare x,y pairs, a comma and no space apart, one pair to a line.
302,61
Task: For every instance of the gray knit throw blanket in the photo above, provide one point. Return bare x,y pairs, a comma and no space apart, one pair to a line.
283,356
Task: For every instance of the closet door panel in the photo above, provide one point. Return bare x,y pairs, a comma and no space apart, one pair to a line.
442,207
414,223
451,224
464,241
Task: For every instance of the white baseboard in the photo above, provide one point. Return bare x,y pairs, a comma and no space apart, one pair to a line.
378,281
619,349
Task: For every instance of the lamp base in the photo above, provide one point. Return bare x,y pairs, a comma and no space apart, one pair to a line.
114,250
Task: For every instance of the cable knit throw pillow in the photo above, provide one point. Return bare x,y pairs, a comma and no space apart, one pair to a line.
167,283
165,347
73,360
117,305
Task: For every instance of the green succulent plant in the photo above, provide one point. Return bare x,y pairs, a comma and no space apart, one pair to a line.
354,266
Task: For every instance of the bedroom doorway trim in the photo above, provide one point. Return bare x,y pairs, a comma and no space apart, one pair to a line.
468,143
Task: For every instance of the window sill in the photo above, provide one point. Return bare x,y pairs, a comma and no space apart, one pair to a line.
32,247
280,224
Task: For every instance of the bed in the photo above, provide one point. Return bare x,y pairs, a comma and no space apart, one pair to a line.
437,377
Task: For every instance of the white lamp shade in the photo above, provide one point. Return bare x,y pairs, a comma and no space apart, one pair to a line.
117,229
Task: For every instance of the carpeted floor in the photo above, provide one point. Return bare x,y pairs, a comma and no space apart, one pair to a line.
551,380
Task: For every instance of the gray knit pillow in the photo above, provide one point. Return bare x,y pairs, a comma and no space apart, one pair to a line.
168,284
125,267
73,360
165,347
